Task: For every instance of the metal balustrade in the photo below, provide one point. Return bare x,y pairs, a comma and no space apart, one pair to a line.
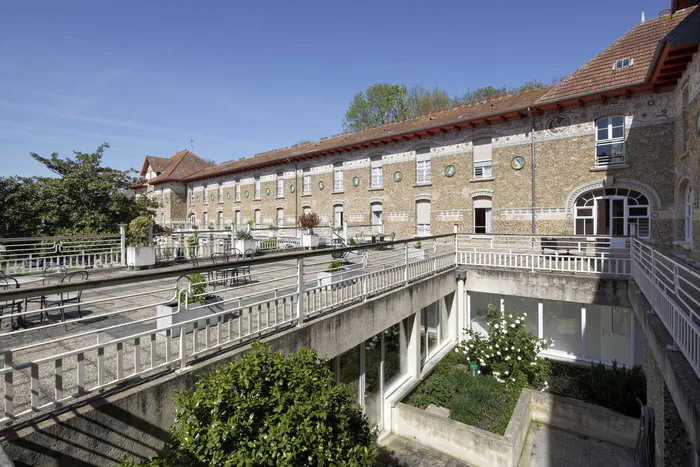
552,253
673,290
33,254
120,336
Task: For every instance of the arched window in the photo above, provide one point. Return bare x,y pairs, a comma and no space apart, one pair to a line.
192,220
423,218
280,217
610,141
612,211
376,215
688,213
256,220
337,215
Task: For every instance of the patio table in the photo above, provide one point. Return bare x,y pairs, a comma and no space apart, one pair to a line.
25,280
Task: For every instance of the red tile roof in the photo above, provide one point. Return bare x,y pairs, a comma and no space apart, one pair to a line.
180,166
598,74
158,164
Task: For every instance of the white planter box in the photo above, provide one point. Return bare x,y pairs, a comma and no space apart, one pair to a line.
140,256
416,254
243,245
326,278
167,316
309,240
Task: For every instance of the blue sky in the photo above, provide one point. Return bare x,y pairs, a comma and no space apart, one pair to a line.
240,78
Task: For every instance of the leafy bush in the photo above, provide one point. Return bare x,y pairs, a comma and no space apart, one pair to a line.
352,242
268,409
198,289
137,231
309,221
419,245
192,243
509,352
243,235
335,266
617,388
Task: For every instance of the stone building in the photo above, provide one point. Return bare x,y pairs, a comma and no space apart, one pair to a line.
600,160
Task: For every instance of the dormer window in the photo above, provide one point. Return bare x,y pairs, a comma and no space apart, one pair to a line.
623,63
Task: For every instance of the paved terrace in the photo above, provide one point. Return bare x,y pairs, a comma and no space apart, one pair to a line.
119,336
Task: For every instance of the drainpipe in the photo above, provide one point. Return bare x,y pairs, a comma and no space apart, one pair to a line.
296,191
532,167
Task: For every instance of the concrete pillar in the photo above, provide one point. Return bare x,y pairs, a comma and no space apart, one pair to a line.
461,312
455,316
413,350
469,311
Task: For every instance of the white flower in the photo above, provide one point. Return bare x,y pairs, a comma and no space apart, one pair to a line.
533,363
524,314
498,353
490,348
505,372
497,373
512,325
495,326
507,357
519,358
514,380
517,321
478,372
512,347
510,316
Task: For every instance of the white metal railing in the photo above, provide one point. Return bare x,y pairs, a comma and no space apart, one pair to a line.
673,290
570,254
120,337
604,160
33,254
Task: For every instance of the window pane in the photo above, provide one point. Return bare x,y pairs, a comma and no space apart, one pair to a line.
584,212
636,211
602,123
602,133
562,322
350,370
617,121
618,132
373,395
395,356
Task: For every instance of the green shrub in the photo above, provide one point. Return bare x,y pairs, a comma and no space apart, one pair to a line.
192,243
617,388
268,409
335,266
509,352
137,231
198,289
243,235
352,242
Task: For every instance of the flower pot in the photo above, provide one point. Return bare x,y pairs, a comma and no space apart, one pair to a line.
243,245
309,240
167,314
140,256
327,278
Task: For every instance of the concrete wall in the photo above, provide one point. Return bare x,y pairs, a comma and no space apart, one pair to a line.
673,389
567,288
481,448
134,421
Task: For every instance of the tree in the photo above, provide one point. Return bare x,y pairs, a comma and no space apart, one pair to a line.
424,101
482,94
379,105
84,198
268,409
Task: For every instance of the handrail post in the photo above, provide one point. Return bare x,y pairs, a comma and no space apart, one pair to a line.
300,291
405,262
9,393
122,243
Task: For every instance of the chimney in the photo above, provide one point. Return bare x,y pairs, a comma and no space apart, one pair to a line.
643,17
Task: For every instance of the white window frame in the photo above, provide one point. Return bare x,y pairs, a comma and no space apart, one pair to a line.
256,191
376,173
423,171
306,185
238,190
280,186
220,189
423,229
338,179
280,220
609,140
206,196
190,195
483,169
623,63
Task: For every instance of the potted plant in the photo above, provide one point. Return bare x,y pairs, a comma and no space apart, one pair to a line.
194,304
211,225
417,252
332,275
139,252
244,241
353,242
308,222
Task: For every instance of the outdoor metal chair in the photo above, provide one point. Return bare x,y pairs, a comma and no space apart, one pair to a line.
360,238
65,298
50,275
15,305
194,259
219,276
244,271
391,238
234,254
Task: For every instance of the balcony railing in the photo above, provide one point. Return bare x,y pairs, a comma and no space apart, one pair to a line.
120,335
673,290
570,254
605,160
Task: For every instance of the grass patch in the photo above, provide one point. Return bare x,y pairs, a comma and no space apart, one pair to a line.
481,402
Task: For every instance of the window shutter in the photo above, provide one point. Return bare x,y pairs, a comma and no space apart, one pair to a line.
423,212
482,149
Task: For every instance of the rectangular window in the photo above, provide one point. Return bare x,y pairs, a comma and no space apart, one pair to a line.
307,183
190,195
221,192
238,190
256,194
338,179
280,217
206,195
376,172
162,198
423,166
482,158
610,141
423,218
280,185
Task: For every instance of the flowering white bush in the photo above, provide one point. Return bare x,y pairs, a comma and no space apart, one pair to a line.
509,352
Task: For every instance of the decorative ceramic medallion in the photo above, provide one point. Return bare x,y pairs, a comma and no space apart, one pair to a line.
291,188
246,193
398,176
228,195
517,163
267,191
355,181
450,171
321,185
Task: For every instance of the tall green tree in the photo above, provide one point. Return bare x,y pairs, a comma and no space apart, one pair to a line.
83,198
379,105
424,101
482,94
